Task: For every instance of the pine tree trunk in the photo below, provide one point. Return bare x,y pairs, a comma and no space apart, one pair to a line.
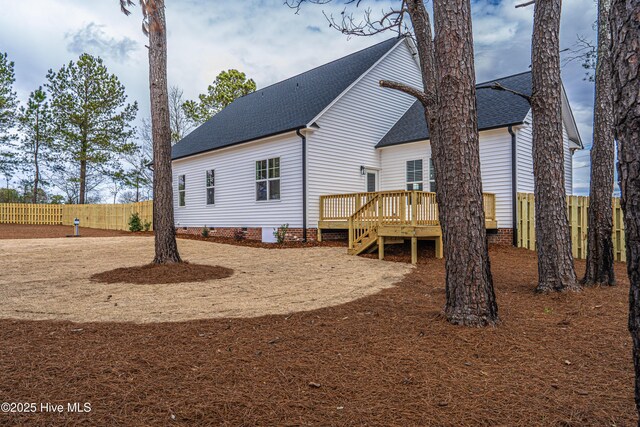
469,285
83,180
163,221
625,56
599,269
556,271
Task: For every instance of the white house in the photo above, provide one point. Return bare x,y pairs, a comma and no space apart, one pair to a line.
267,158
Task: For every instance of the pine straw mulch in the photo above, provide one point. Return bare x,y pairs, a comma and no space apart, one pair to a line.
156,274
260,244
386,359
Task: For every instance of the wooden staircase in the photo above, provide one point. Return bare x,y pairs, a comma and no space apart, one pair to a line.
363,227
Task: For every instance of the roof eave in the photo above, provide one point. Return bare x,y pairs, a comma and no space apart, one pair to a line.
427,138
271,135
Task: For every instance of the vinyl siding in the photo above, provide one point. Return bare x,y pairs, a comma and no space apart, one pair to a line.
495,168
235,186
352,126
524,143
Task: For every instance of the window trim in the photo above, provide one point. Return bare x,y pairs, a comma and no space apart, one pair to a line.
207,187
182,202
414,182
268,180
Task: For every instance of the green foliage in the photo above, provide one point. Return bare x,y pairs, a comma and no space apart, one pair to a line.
93,119
56,199
227,86
9,195
239,235
135,223
147,225
8,111
281,233
36,126
205,231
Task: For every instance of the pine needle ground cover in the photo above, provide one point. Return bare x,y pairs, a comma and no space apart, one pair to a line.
386,358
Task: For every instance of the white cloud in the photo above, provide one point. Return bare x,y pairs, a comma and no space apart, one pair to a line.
263,38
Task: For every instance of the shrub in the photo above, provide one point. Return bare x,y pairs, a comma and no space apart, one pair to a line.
281,233
147,225
239,234
135,223
205,231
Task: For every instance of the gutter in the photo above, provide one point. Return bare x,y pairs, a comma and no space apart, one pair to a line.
514,190
304,184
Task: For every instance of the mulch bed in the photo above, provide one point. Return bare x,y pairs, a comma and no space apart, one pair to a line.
154,274
259,244
29,231
387,359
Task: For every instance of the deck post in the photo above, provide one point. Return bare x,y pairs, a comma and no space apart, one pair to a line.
438,241
414,250
319,234
350,233
381,247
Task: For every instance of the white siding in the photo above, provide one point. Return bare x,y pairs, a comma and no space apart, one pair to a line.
524,164
394,164
568,162
235,189
495,168
524,143
350,129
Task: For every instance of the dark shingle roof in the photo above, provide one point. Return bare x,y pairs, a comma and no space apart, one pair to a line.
282,107
495,109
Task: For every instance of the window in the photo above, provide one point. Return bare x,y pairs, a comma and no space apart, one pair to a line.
414,175
182,191
268,179
432,177
211,187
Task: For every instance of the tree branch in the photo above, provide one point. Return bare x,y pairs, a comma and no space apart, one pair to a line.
498,86
410,90
525,4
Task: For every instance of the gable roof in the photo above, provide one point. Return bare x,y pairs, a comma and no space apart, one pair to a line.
282,107
496,109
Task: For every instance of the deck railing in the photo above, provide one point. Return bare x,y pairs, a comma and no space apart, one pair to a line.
393,207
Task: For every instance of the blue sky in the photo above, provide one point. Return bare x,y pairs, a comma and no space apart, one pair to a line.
265,39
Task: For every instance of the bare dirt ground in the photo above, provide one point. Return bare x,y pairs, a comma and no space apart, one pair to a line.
26,231
49,279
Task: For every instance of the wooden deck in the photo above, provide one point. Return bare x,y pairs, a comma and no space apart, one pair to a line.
388,217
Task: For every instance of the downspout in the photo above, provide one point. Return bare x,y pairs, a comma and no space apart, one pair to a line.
514,188
304,184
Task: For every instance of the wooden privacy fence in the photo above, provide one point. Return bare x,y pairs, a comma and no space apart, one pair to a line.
104,216
577,212
27,213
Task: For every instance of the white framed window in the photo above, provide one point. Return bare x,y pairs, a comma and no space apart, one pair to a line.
414,175
211,186
432,176
182,190
268,179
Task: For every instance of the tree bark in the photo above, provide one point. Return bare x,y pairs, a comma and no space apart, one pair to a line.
450,109
36,148
166,248
625,55
599,269
556,271
83,181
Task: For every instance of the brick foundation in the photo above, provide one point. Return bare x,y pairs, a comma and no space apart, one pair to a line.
250,233
501,236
